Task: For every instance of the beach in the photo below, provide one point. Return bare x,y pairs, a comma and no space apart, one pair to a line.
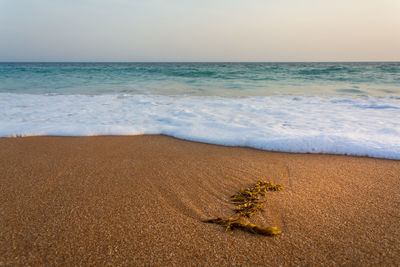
140,200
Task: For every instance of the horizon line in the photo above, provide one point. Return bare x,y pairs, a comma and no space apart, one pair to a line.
317,61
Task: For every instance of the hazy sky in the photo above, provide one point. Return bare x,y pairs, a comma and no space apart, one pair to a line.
199,30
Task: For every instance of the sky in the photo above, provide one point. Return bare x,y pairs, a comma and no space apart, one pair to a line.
199,30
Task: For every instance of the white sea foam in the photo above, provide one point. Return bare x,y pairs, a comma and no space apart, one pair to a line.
365,126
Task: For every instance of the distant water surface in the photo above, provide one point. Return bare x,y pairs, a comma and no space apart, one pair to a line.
202,79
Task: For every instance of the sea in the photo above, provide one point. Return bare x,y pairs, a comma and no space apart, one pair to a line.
334,107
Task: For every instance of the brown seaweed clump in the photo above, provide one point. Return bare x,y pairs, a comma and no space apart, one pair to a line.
248,202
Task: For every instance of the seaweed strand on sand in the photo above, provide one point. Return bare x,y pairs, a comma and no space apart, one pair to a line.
248,202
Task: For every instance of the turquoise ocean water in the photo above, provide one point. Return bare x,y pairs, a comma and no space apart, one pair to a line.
339,108
204,79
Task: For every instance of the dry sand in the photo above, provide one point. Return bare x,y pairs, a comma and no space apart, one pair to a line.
139,200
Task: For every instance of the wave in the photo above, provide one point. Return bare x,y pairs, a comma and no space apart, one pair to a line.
364,126
352,91
316,70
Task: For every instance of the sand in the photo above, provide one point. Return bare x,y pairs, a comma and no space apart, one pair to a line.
139,200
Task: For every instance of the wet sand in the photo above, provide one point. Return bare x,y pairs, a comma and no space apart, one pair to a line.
139,200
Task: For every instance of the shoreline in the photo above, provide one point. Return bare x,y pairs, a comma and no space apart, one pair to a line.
140,200
196,142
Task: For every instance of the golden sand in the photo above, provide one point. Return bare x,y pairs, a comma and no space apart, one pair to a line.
141,200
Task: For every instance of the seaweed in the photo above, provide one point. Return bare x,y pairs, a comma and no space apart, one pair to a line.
248,202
